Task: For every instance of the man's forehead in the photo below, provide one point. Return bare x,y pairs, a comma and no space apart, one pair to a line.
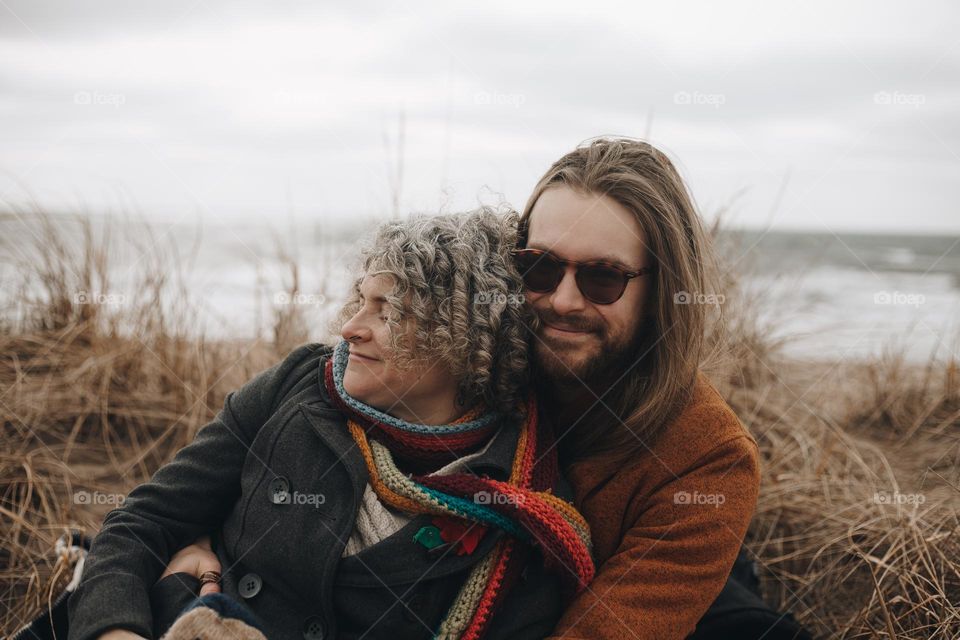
581,228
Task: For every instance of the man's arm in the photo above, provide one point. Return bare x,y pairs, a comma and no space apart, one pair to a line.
673,562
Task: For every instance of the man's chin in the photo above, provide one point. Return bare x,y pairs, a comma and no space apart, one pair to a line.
564,364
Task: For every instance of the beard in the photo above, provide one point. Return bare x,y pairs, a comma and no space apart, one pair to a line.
600,356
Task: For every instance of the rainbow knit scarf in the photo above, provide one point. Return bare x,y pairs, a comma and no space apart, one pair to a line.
523,506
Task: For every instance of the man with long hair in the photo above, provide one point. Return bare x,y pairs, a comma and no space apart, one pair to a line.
618,271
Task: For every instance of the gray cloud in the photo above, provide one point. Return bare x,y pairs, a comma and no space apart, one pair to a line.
243,103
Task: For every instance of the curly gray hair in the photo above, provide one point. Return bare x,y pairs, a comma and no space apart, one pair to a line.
454,278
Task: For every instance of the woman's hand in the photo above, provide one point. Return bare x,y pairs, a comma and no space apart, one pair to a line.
195,559
119,634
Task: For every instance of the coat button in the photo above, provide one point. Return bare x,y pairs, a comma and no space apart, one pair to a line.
313,628
414,604
250,585
280,490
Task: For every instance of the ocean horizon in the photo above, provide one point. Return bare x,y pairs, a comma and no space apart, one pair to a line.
827,296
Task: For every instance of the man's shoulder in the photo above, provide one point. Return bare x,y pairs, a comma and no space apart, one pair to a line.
707,423
704,428
708,412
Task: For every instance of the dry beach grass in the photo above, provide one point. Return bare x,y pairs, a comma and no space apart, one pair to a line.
856,532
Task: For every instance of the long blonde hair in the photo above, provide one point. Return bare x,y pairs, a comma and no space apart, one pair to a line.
642,179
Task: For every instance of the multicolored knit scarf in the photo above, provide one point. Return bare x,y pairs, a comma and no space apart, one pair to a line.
523,506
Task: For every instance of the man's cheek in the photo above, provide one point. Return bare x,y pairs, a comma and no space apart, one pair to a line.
535,301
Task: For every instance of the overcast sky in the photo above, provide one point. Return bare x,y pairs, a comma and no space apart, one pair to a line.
255,109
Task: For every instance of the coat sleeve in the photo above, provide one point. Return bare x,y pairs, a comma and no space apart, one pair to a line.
674,560
187,497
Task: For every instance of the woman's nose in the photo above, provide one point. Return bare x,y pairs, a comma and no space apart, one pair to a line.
355,330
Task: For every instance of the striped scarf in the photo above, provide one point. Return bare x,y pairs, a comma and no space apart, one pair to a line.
523,506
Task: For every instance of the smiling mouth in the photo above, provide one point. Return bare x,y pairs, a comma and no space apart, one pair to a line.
565,330
362,358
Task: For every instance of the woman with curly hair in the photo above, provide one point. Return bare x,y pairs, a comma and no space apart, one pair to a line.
397,483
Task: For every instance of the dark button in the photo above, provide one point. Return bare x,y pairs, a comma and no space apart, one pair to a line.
250,585
280,490
313,628
414,604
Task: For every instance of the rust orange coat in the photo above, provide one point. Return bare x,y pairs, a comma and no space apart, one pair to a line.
667,528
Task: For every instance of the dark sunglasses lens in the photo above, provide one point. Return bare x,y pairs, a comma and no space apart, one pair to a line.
539,272
602,285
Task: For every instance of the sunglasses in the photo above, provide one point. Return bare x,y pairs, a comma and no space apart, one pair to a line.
599,282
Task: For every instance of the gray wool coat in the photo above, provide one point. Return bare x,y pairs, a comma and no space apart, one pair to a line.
277,480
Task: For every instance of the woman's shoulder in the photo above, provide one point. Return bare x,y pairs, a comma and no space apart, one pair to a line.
298,376
305,358
302,369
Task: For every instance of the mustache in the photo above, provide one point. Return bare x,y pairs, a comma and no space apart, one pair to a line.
573,322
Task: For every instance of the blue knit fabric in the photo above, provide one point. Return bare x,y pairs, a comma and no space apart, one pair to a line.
226,607
476,512
342,352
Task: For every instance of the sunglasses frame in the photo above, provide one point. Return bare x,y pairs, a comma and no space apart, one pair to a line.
546,255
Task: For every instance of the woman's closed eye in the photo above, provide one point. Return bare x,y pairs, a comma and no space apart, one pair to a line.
376,305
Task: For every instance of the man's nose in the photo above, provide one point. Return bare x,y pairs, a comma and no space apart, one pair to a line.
566,298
